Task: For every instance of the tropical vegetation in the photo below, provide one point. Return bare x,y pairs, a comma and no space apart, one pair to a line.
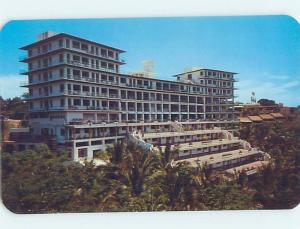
40,181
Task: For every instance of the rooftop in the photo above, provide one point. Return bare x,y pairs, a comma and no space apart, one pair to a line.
203,69
219,157
247,167
203,144
58,35
177,134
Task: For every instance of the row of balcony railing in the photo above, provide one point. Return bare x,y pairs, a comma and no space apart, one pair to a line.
70,62
83,51
115,83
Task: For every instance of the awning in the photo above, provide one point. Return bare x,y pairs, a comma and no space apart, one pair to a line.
266,117
244,120
277,115
255,118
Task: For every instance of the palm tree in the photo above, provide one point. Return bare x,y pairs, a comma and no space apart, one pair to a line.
135,167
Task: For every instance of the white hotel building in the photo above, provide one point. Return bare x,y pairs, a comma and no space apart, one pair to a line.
77,94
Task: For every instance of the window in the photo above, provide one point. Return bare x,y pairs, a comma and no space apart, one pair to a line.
85,74
62,132
45,76
75,44
77,102
61,58
44,48
103,77
82,152
103,52
67,43
45,63
84,60
84,47
189,76
61,72
123,80
104,90
60,43
62,102
103,64
110,66
86,102
62,88
110,54
111,78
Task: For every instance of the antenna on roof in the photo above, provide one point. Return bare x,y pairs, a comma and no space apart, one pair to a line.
253,97
148,70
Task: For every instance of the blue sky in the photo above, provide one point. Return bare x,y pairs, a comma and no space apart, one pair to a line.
264,50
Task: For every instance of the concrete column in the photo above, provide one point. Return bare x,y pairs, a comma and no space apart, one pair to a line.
89,154
74,152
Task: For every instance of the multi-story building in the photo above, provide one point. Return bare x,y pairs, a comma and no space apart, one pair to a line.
77,94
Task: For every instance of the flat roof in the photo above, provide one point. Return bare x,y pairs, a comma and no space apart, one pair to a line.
219,157
177,134
250,166
202,144
201,69
70,36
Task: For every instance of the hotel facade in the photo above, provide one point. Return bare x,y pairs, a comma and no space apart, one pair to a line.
77,95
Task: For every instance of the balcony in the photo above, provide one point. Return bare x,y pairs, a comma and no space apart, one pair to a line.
22,58
77,49
22,72
86,93
114,96
24,83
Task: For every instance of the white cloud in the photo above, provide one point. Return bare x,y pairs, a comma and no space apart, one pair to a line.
10,86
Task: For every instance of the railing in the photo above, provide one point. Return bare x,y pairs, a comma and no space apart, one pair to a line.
23,83
23,57
22,71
